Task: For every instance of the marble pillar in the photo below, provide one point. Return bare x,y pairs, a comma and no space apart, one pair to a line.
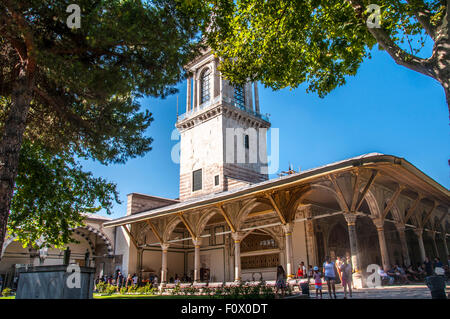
237,237
350,218
379,224
165,248
405,252
197,243
419,233
287,228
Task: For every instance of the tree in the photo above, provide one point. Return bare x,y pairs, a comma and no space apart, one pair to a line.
285,43
73,89
52,192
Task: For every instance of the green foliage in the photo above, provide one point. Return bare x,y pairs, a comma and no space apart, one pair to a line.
7,292
123,290
176,290
110,289
84,87
141,290
52,191
101,287
287,43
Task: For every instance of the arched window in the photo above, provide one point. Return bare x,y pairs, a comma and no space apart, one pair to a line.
239,96
204,86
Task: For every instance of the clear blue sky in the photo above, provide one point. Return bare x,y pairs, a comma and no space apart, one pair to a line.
385,108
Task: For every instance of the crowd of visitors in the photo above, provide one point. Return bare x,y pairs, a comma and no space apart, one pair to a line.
339,271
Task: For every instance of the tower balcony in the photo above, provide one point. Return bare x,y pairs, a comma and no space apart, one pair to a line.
217,101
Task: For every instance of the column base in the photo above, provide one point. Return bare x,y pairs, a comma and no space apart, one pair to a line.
358,281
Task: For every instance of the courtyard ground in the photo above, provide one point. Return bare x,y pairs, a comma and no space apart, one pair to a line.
418,291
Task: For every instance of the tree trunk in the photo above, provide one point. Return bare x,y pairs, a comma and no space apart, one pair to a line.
11,142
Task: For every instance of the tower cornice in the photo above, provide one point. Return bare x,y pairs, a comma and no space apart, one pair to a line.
215,109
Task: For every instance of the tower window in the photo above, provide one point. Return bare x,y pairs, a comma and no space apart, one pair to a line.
196,180
216,180
239,96
204,86
246,141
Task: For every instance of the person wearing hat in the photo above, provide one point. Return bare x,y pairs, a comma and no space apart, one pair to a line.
317,281
436,284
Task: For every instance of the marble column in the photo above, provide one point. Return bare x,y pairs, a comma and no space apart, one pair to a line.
165,248
140,253
256,97
188,95
311,240
237,237
433,237
350,218
444,236
405,252
197,243
196,90
419,233
379,224
287,228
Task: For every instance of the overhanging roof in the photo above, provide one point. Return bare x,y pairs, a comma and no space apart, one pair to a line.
371,159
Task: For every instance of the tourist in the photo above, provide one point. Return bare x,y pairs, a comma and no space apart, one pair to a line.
330,276
135,280
155,281
177,280
421,271
437,263
310,271
317,276
281,280
338,267
346,277
129,281
447,272
119,281
411,272
436,284
428,267
300,271
305,274
401,274
384,276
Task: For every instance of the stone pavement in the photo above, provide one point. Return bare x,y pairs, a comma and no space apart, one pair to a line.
417,291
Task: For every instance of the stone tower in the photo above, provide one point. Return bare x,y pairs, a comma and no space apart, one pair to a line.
223,134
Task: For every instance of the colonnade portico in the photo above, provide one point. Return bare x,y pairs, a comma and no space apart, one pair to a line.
297,211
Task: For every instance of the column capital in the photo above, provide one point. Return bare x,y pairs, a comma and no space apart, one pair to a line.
350,218
287,228
400,227
237,236
433,234
165,246
197,241
418,231
379,223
